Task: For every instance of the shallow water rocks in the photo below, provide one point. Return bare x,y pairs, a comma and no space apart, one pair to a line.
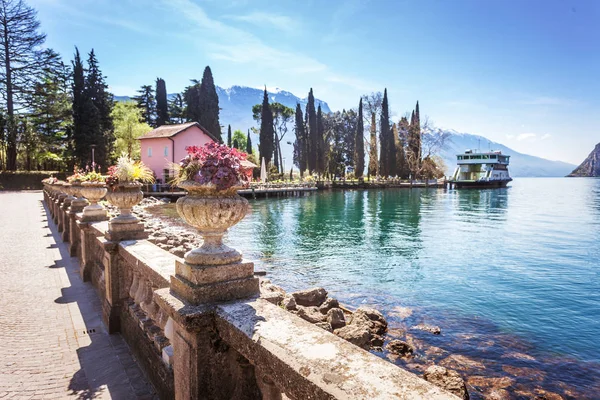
324,325
399,348
328,304
310,297
311,314
436,330
462,363
289,303
371,318
355,334
270,292
447,379
336,318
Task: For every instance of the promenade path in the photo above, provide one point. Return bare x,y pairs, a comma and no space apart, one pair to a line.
46,312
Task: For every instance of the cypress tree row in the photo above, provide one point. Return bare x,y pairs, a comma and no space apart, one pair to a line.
162,105
229,136
248,143
311,117
267,133
301,143
372,170
359,144
208,105
191,97
236,145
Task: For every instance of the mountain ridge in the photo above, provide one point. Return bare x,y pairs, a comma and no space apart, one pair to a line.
590,167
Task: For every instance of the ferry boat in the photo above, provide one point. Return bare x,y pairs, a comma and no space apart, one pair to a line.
481,170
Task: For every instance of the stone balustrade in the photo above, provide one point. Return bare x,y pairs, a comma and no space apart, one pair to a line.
229,348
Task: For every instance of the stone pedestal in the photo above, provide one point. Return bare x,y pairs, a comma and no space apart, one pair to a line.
202,284
64,216
113,302
87,236
77,206
126,231
57,204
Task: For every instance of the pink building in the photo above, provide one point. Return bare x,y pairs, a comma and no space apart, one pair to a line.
166,144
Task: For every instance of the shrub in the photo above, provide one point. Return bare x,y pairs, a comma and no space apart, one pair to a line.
22,180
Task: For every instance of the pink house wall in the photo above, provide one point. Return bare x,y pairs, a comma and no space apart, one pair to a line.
158,161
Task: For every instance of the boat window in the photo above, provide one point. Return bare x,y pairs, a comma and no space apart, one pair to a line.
485,157
493,157
460,157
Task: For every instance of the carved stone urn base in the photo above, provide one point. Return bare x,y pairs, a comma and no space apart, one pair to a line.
213,272
94,211
125,226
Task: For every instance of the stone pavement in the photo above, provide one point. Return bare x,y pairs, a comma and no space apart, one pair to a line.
53,344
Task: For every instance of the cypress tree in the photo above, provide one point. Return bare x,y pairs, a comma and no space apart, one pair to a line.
229,136
267,133
359,143
321,152
301,142
418,130
384,138
248,143
177,109
209,105
162,105
372,170
311,116
236,144
403,170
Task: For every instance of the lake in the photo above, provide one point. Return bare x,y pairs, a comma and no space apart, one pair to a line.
501,271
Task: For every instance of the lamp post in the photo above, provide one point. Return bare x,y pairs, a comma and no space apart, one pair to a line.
93,151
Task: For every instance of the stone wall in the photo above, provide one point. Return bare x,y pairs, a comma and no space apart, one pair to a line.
238,346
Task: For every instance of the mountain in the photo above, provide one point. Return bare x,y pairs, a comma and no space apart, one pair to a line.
590,166
521,165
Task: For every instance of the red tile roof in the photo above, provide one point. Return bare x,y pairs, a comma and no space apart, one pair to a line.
172,130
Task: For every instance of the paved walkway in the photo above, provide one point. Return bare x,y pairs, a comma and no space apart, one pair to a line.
46,312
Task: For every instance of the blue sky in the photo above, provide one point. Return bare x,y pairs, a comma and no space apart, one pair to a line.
524,73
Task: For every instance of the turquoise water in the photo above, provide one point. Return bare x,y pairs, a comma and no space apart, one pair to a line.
520,263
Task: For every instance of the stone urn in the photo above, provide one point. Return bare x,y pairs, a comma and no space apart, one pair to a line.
212,212
76,191
94,192
125,196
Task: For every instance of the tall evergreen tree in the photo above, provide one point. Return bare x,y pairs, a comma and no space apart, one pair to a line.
229,135
81,142
22,64
100,123
373,166
162,105
146,102
191,97
321,147
248,143
313,137
301,142
209,105
177,109
384,138
236,144
267,134
359,144
414,145
403,133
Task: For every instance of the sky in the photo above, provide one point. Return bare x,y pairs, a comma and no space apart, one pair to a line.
524,73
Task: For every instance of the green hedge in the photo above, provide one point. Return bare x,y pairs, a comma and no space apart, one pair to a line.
21,180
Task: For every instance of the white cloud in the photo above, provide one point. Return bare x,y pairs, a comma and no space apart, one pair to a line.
281,22
545,136
225,42
526,136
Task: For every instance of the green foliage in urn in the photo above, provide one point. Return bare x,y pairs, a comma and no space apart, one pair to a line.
128,171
